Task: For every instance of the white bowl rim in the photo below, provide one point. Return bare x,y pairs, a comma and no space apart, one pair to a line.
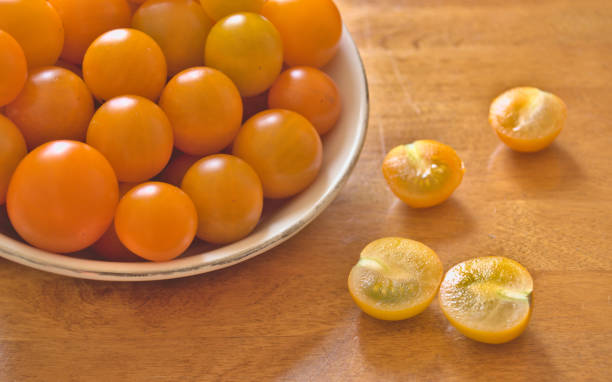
13,250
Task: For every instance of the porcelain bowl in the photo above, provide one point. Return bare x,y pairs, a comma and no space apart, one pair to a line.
342,146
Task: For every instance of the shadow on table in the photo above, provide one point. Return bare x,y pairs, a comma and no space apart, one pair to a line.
428,348
444,222
553,169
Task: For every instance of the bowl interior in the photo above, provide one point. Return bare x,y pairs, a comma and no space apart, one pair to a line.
281,220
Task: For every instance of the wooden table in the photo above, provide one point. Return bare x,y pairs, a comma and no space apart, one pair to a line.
433,66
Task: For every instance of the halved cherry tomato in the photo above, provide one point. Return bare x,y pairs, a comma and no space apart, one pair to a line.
62,196
54,104
228,196
218,9
488,299
12,151
84,21
125,62
248,49
310,29
395,278
309,92
423,173
527,119
37,28
284,149
135,136
13,68
156,221
204,108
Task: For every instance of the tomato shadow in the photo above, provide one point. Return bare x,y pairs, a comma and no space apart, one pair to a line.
428,348
553,169
442,223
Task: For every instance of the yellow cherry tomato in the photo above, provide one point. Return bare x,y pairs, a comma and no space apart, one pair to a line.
218,9
124,62
180,27
248,49
228,196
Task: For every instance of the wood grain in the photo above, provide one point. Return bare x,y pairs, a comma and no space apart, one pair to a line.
433,66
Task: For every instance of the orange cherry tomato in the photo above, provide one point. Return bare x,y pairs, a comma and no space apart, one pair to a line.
62,196
309,92
177,168
54,104
124,61
247,48
284,149
180,27
13,68
12,151
228,196
109,247
310,29
135,136
84,21
218,9
204,108
156,221
37,28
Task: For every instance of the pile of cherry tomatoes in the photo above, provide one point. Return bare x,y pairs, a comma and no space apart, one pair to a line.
134,126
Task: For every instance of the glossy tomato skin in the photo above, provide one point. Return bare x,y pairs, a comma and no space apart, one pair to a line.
13,68
12,150
156,221
37,28
204,108
248,49
284,149
62,196
84,21
124,61
218,9
180,27
134,134
310,29
309,92
228,196
54,104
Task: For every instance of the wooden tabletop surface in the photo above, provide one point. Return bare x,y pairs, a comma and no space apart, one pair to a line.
433,66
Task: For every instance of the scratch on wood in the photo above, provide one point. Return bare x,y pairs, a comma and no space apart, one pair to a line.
400,80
